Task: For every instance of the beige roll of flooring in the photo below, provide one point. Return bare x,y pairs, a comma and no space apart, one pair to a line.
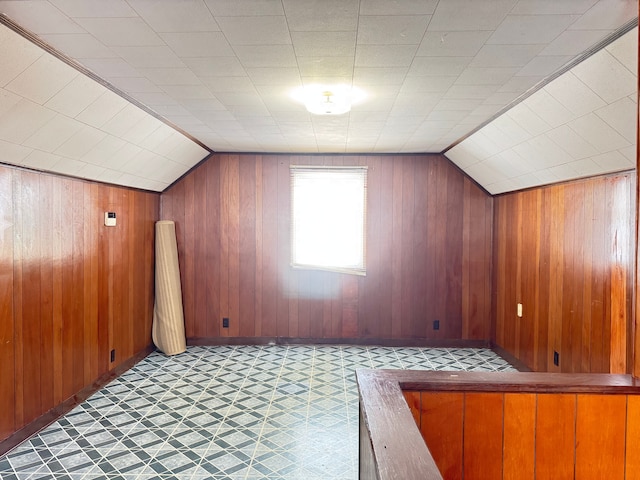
168,315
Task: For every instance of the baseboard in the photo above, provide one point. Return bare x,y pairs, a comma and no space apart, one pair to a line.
510,358
384,342
69,404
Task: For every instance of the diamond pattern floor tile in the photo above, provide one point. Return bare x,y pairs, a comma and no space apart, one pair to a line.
238,413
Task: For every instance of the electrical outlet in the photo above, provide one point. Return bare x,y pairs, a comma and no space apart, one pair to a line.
113,355
436,324
556,358
225,323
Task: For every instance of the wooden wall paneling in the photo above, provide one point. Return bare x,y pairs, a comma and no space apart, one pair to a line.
574,203
137,225
600,455
187,261
519,436
396,252
500,272
203,272
453,248
57,269
283,226
385,246
585,315
413,401
468,304
433,278
247,247
174,209
598,354
259,249
226,206
529,280
93,221
45,234
510,293
441,425
421,327
440,264
210,269
117,267
483,435
556,276
233,246
555,418
408,260
270,277
7,325
632,459
372,321
104,293
620,214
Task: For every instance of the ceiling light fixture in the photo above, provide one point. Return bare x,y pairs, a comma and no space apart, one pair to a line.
328,100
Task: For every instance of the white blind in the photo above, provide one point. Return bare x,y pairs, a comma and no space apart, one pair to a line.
328,218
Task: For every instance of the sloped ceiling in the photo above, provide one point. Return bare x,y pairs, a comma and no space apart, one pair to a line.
222,71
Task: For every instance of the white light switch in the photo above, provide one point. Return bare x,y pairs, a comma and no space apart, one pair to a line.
110,219
520,310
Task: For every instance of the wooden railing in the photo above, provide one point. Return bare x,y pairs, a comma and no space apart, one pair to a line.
453,425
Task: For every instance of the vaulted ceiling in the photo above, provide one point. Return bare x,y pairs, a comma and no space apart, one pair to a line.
517,93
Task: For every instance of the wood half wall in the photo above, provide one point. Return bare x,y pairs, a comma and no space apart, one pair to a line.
71,289
428,254
566,253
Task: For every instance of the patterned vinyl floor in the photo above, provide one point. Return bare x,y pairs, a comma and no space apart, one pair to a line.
245,412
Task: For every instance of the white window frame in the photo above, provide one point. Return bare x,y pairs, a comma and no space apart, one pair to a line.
320,213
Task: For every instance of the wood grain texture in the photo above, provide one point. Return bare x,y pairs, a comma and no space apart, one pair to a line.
565,253
441,426
556,419
483,435
71,290
423,215
600,436
632,446
519,436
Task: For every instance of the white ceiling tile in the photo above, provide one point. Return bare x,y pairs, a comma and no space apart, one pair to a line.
68,166
215,66
606,76
8,100
527,119
586,167
255,30
435,84
385,55
188,92
144,127
170,76
574,42
81,143
606,15
630,153
511,129
29,83
543,66
365,76
266,56
571,142
324,44
549,109
325,66
564,172
542,152
542,176
505,55
39,16
159,56
198,44
53,134
510,164
530,29
245,7
106,152
91,172
171,16
328,15
485,76
120,31
102,110
484,173
229,84
501,187
621,115
438,66
40,160
463,155
123,121
552,7
12,153
110,68
77,95
140,85
110,176
187,153
625,50
397,7
520,84
453,44
613,161
454,15
392,30
598,133
16,55
95,8
79,45
23,120
574,94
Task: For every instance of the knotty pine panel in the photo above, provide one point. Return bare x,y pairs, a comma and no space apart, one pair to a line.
565,253
428,253
71,290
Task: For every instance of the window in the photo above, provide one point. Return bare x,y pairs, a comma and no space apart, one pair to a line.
328,210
